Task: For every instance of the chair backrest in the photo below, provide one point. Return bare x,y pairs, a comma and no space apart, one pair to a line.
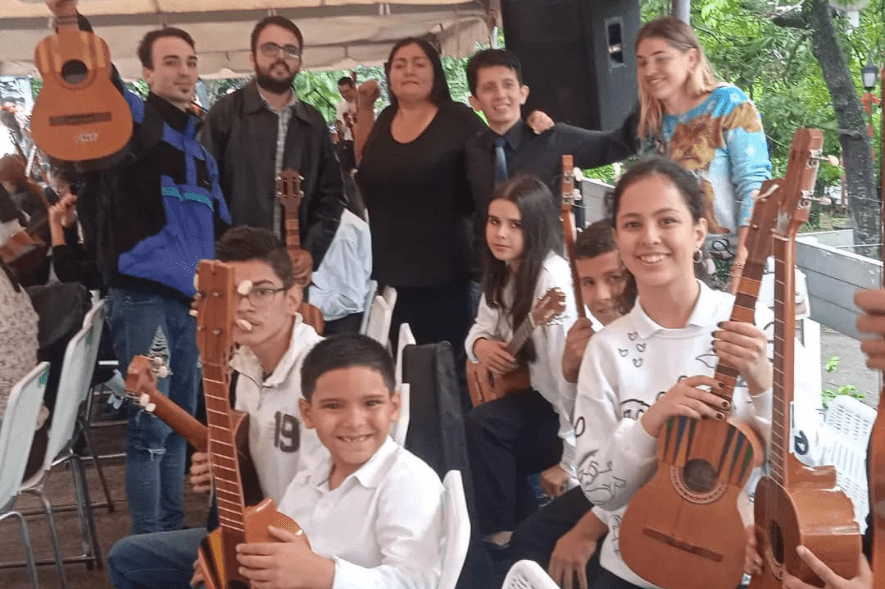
852,422
527,574
457,525
400,427
389,295
74,385
367,305
379,321
17,430
406,338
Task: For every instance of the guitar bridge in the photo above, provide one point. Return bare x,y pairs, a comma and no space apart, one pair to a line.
682,545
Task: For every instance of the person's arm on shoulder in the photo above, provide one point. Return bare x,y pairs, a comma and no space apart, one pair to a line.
592,149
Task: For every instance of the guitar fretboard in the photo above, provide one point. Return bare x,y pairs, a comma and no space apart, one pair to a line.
784,355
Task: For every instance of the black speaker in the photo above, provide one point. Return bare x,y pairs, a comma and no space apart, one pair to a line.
577,57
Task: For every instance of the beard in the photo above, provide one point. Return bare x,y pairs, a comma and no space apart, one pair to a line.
265,79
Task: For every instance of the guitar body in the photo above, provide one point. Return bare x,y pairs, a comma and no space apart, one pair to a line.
219,566
702,467
79,118
484,385
813,513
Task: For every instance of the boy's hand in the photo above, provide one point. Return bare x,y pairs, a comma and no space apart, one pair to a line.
539,121
201,473
494,355
574,550
575,343
554,481
287,564
863,580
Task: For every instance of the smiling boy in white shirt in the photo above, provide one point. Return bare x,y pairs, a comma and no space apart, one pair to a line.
372,511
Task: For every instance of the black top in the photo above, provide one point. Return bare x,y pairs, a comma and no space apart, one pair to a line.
419,201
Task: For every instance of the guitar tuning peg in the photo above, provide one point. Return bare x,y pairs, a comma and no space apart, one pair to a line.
144,399
163,371
150,407
244,288
196,282
193,313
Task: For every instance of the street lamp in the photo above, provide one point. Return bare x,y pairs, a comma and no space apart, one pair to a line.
868,74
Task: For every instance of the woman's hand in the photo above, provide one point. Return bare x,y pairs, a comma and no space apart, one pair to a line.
744,346
368,92
863,580
685,398
64,212
494,355
752,560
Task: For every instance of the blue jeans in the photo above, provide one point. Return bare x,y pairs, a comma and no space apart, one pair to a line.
153,561
155,455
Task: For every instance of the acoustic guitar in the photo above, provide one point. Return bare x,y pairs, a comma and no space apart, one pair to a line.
568,227
80,118
483,384
216,313
683,529
797,504
290,195
141,386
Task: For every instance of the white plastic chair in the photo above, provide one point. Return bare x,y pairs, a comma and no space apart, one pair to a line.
389,295
367,305
16,436
401,427
76,376
527,574
852,422
380,317
406,338
457,525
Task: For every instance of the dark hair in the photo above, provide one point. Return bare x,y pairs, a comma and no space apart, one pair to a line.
345,350
146,46
346,81
280,21
439,93
13,170
244,243
532,198
598,239
491,58
686,183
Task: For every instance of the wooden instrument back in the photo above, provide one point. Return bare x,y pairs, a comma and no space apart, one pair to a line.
797,504
79,118
237,523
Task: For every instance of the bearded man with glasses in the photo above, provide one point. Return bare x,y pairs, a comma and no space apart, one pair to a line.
263,128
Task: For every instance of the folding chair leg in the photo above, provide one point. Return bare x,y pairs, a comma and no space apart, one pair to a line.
91,548
53,538
29,550
85,427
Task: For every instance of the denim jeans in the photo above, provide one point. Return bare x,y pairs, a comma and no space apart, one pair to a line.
155,455
155,561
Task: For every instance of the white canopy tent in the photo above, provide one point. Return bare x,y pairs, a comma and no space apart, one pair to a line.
338,33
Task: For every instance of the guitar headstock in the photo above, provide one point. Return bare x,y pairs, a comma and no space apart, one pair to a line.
141,379
805,151
289,189
216,312
548,308
765,214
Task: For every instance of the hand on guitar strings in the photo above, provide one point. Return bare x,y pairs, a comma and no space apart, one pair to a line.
686,398
872,303
494,355
863,580
554,481
201,473
744,346
287,564
575,343
574,550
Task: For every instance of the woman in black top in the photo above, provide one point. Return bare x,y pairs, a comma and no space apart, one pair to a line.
412,177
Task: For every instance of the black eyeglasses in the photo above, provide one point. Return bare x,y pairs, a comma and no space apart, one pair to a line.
260,297
272,50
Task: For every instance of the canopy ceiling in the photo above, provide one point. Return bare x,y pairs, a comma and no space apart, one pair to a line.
338,34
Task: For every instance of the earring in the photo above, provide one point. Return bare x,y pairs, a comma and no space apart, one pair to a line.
697,256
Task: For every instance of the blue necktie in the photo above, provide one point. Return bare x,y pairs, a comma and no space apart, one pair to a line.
500,161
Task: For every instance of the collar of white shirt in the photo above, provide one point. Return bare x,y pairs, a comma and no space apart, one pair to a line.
369,475
704,308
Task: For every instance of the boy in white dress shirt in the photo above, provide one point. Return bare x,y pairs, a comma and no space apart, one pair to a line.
372,511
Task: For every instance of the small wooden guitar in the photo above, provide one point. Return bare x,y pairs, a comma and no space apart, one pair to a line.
797,504
141,386
683,529
216,312
568,227
289,192
80,118
483,384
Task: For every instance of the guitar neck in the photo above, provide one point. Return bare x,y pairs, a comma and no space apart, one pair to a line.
784,355
520,336
568,228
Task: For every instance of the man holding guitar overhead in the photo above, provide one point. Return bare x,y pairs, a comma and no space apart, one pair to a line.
262,129
160,209
273,343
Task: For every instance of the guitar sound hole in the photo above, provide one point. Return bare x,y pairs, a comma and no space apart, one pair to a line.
699,475
776,542
74,71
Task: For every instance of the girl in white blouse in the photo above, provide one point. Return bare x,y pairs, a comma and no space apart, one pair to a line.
528,431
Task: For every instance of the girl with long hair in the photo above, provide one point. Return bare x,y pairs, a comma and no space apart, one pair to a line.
529,431
709,127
